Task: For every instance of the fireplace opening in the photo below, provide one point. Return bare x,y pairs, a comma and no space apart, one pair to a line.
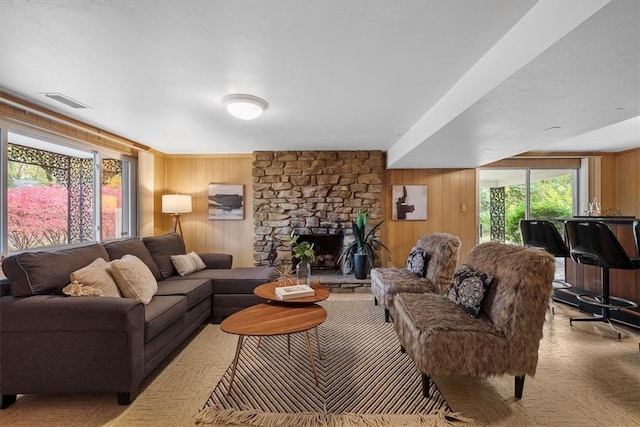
327,249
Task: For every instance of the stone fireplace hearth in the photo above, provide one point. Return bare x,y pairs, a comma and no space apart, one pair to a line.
314,193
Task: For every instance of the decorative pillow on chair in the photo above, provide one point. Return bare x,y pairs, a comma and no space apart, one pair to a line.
134,278
468,288
97,276
186,264
417,262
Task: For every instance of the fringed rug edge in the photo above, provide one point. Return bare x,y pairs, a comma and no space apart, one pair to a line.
214,415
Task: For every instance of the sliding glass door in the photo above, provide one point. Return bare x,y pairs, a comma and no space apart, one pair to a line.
508,195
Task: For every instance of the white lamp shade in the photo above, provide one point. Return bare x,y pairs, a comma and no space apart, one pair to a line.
176,203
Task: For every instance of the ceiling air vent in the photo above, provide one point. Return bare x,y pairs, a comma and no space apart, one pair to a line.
65,100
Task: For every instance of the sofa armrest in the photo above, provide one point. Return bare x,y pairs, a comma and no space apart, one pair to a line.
215,260
59,344
61,313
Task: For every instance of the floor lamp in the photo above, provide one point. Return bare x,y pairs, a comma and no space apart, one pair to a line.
176,204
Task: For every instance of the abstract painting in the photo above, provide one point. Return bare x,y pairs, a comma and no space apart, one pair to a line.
409,202
226,201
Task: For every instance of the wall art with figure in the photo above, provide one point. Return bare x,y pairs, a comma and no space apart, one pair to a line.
409,202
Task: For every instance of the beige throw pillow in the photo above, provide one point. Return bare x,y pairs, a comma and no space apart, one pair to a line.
186,264
134,278
97,276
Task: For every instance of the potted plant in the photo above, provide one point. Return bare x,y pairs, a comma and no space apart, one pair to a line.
303,252
361,250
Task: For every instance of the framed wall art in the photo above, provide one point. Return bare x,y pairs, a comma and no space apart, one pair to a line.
409,202
226,201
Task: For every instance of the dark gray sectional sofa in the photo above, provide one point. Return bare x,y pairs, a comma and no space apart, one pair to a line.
53,343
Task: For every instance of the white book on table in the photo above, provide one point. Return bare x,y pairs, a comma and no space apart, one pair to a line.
297,291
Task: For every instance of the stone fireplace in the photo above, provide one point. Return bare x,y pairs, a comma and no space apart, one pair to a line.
315,194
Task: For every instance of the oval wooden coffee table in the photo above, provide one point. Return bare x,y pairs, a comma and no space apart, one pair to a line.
268,292
274,319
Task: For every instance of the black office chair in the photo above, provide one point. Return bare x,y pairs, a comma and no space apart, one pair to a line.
593,243
544,235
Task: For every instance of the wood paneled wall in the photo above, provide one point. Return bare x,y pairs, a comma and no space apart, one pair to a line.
192,175
146,192
450,192
451,208
619,182
628,182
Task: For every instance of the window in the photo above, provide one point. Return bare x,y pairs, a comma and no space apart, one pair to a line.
508,195
115,180
61,193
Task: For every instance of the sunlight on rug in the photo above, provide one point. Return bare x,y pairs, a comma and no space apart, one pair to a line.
364,379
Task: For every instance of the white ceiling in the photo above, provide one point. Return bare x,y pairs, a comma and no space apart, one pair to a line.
433,83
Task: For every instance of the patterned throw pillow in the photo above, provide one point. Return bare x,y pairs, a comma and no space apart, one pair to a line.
468,288
417,262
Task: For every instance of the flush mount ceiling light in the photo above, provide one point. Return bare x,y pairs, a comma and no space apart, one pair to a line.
244,107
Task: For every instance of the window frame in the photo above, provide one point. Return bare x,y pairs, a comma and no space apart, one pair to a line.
97,153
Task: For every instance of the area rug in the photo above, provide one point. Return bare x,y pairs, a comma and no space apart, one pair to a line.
364,379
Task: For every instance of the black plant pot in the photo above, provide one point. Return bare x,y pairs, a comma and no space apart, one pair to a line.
360,265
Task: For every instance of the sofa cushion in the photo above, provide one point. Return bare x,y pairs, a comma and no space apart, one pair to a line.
161,249
441,338
187,264
195,290
468,288
417,261
97,276
119,248
386,282
241,280
33,273
134,278
162,312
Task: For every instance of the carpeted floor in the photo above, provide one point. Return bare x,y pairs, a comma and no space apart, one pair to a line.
585,377
363,378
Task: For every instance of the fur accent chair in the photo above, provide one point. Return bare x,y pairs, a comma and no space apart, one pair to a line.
441,250
503,339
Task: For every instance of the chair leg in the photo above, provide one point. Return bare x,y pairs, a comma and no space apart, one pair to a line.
425,385
519,386
386,315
